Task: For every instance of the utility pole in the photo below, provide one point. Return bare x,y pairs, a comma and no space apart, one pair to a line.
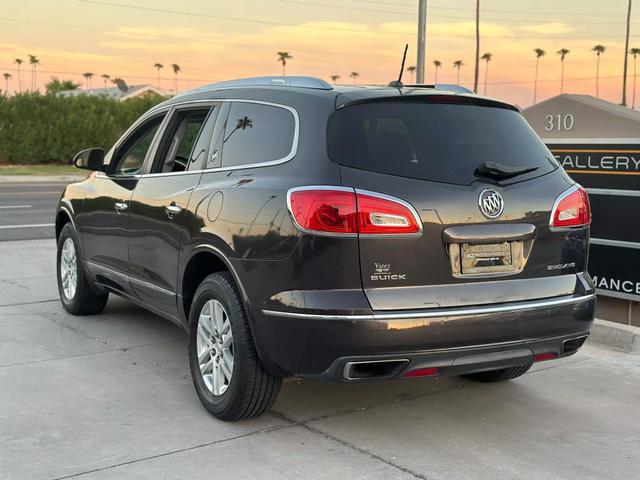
422,34
626,56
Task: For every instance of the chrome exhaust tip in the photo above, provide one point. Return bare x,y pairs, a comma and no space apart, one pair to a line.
373,369
573,344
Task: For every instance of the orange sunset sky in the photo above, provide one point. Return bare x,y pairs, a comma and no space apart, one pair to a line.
221,39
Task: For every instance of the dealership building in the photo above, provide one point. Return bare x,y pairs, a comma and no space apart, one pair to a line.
598,144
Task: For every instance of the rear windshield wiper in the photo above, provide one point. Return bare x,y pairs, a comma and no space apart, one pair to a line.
497,171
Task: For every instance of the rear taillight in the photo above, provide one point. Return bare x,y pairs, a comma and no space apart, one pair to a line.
345,211
324,210
571,209
384,215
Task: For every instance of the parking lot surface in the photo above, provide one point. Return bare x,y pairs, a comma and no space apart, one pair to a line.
110,397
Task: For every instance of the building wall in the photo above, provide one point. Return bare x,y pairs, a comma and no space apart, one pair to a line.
617,310
593,124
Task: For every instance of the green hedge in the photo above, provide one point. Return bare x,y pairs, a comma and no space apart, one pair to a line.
38,128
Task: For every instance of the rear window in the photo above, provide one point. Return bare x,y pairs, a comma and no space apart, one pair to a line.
434,141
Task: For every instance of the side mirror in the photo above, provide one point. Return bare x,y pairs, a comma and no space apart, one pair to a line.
90,159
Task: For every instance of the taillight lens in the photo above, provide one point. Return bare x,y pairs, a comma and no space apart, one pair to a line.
329,211
571,209
378,215
345,211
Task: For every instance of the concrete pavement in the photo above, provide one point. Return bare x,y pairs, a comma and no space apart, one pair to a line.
110,397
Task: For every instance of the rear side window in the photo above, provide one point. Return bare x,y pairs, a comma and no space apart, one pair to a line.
434,141
257,133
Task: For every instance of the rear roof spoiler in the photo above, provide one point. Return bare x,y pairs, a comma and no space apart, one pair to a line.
452,98
449,87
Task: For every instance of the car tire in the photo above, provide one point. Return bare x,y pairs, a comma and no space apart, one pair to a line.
217,311
77,294
501,375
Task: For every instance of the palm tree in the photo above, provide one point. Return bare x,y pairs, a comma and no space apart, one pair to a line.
18,62
458,64
282,58
334,78
158,67
176,70
477,69
539,53
487,57
88,76
634,52
120,83
599,49
437,64
626,57
34,62
411,69
563,53
7,77
354,75
105,78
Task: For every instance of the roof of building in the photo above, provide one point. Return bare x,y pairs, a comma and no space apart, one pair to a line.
115,92
591,101
572,116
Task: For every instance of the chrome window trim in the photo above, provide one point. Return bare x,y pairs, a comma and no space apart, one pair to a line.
573,188
292,152
211,104
278,161
444,312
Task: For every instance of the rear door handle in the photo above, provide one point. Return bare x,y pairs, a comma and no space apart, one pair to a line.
172,210
120,206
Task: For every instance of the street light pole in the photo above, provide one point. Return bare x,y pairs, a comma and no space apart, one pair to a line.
422,34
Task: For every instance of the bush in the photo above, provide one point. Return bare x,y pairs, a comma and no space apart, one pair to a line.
38,128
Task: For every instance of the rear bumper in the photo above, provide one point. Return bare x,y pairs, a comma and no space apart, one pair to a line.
319,344
453,361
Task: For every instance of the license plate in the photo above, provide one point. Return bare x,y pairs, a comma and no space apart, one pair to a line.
487,258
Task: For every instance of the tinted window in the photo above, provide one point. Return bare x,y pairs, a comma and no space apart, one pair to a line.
131,154
437,142
179,142
257,133
199,150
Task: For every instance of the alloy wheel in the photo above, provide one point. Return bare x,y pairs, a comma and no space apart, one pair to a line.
69,269
214,345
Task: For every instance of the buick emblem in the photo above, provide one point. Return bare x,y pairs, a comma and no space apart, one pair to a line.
491,203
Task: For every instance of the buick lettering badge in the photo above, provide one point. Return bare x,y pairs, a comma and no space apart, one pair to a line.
491,203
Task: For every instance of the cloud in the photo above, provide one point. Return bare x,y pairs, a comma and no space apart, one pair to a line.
552,28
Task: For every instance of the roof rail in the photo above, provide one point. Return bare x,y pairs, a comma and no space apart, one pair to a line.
449,87
277,81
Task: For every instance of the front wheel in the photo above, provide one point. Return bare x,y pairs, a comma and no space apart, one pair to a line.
77,295
229,378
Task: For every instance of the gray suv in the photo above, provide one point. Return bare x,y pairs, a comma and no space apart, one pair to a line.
344,233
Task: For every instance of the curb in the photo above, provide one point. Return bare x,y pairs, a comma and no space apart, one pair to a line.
616,335
40,178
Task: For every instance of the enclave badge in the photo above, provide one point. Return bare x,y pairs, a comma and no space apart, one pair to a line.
491,203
